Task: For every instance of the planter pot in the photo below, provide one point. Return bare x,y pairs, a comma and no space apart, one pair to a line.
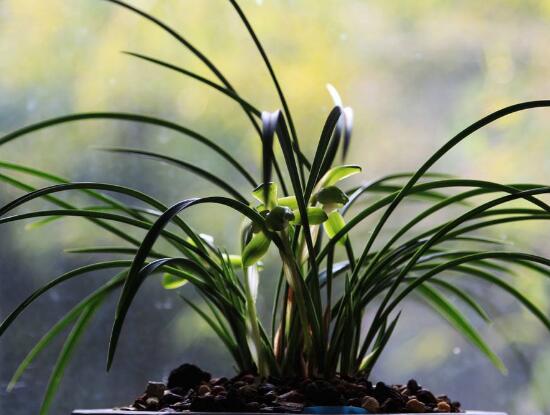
117,412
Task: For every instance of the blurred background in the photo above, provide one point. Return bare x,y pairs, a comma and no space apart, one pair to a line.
415,73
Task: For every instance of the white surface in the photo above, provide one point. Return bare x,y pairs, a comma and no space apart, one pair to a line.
118,412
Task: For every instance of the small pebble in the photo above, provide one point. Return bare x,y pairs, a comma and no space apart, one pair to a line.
391,406
370,404
414,405
239,384
203,390
155,389
253,406
412,386
269,397
216,390
152,403
248,392
290,407
443,407
219,381
187,376
248,378
355,401
444,398
426,397
292,396
266,388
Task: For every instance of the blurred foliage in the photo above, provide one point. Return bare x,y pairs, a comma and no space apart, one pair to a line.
414,72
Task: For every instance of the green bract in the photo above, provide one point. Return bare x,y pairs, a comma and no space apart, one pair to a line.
338,173
288,201
335,224
315,216
331,198
255,249
330,275
269,192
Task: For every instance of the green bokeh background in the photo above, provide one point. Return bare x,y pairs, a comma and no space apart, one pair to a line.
415,73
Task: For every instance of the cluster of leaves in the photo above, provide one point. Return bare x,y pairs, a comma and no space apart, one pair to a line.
306,215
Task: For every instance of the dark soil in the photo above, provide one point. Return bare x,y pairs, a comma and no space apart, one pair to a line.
191,389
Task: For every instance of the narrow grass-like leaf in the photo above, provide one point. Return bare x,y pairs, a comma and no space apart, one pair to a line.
61,203
458,261
450,226
135,276
301,158
198,244
70,317
221,333
66,353
62,278
111,202
439,154
224,90
247,106
430,242
453,315
374,207
137,118
320,153
463,296
107,250
502,284
212,178
369,361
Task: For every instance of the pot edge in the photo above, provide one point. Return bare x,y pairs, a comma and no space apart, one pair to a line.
121,412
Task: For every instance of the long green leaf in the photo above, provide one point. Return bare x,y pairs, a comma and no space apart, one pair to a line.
134,279
320,153
480,184
301,158
61,203
464,297
443,231
114,188
222,184
220,332
111,202
66,353
247,106
62,278
58,327
439,154
224,90
502,284
453,315
137,118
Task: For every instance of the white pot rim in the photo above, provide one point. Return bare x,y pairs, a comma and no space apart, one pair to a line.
121,412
